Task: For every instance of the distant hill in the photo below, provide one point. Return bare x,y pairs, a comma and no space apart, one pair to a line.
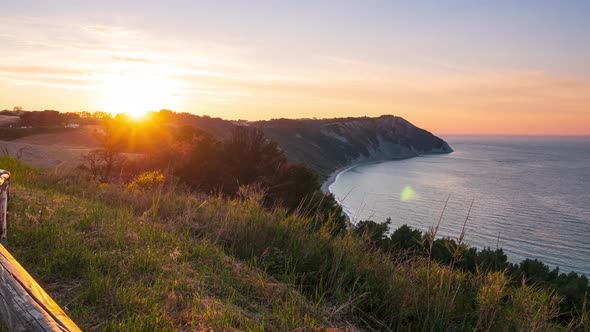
323,144
329,144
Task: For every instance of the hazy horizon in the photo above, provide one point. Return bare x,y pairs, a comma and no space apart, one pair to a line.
458,67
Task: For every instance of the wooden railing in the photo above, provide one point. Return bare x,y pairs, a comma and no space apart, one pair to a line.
24,305
4,187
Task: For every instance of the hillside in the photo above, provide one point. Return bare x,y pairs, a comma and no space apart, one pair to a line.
165,259
325,145
328,144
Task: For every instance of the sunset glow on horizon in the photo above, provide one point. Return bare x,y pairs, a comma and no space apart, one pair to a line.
461,67
136,94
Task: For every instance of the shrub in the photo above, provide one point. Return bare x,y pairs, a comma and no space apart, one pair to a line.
146,181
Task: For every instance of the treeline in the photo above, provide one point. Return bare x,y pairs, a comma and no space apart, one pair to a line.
47,118
211,165
248,158
53,118
405,240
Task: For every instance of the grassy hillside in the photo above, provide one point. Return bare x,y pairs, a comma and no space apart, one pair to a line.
165,259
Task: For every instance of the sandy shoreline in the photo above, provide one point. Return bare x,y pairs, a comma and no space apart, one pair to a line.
332,178
334,175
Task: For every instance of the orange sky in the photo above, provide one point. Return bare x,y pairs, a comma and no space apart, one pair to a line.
119,65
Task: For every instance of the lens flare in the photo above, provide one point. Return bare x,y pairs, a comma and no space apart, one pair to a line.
407,194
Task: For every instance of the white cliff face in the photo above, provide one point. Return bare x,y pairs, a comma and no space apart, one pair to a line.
384,138
329,144
336,136
387,150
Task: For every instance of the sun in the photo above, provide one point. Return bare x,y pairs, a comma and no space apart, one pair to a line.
136,94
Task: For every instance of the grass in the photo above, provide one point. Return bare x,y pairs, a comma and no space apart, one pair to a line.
116,259
112,269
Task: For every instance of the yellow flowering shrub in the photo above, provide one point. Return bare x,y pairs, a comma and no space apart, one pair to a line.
146,181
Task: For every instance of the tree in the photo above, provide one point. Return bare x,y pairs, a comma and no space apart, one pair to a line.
203,167
104,161
376,233
246,158
406,238
47,118
249,158
101,115
101,163
292,183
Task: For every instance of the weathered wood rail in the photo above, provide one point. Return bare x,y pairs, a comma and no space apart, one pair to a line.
4,188
24,305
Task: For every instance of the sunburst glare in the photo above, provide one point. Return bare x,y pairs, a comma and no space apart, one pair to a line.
136,94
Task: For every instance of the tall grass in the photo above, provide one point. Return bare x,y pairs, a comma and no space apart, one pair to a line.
116,263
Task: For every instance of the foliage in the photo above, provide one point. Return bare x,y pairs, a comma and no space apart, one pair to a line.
101,163
228,263
248,158
47,118
292,182
405,238
572,287
375,233
10,112
146,181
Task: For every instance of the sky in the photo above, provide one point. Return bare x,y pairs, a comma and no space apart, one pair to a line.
451,67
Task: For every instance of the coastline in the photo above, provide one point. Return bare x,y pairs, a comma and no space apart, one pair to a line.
339,171
334,175
331,179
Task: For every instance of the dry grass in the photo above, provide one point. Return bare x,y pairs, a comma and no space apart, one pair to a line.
123,260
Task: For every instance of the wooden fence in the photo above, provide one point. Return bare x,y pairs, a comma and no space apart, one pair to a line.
24,305
4,187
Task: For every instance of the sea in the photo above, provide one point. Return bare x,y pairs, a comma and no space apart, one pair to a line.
527,195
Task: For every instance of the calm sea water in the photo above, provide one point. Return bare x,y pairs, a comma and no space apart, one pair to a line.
530,194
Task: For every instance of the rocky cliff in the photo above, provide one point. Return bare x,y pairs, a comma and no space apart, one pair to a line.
329,144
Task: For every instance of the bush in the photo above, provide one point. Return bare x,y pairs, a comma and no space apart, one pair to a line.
248,158
146,181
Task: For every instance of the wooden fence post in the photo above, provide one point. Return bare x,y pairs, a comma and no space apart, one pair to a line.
24,305
4,188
